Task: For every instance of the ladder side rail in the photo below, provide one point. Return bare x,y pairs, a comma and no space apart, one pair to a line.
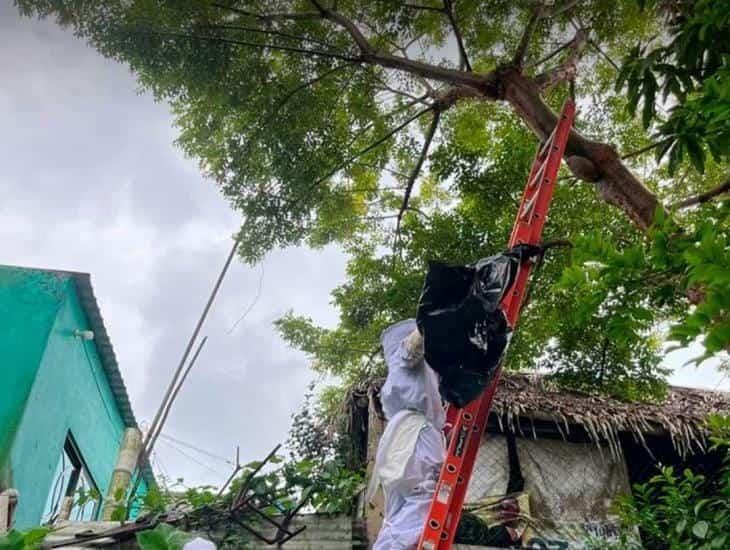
450,477
457,503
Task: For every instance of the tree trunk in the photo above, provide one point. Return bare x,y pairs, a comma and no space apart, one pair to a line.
588,160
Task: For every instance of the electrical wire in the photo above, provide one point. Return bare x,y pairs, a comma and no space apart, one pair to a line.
157,462
253,302
194,448
195,460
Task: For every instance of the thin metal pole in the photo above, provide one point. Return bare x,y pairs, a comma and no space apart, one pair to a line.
193,337
173,396
146,447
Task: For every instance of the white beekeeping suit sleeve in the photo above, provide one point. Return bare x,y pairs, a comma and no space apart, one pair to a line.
410,383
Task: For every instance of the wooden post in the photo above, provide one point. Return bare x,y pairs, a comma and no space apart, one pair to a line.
122,475
373,511
8,502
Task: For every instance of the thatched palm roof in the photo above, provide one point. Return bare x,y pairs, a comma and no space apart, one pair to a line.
681,416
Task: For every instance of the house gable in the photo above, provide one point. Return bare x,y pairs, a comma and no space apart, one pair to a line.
70,395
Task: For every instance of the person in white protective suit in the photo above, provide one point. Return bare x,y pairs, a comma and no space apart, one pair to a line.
412,449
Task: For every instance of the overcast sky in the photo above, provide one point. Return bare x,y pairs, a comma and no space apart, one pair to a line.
90,181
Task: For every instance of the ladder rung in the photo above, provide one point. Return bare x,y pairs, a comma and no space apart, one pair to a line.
538,175
548,143
528,208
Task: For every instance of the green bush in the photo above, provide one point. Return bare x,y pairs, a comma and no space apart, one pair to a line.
684,510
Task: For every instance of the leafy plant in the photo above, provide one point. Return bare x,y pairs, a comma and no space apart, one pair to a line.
691,71
679,510
162,537
318,466
24,540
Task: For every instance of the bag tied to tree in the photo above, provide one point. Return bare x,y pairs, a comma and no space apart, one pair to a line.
464,329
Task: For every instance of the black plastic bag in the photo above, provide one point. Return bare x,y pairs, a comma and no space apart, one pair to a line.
464,330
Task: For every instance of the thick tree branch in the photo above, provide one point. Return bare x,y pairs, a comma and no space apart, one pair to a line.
566,70
463,58
404,52
519,57
486,83
599,162
589,160
417,168
704,197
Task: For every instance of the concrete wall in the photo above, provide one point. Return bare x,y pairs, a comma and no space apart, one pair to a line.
70,393
29,303
322,533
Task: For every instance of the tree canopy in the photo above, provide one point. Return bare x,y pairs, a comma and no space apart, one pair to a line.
403,132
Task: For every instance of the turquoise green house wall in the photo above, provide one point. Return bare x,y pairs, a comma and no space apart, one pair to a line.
70,394
53,383
29,302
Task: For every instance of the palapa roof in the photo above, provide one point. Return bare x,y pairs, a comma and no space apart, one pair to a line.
681,416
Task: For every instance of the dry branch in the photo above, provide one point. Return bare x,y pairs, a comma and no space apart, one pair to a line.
449,11
704,197
417,169
519,57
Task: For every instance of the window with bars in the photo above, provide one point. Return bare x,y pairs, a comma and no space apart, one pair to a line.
72,480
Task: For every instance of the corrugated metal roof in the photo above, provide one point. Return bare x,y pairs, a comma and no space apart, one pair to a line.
104,346
108,358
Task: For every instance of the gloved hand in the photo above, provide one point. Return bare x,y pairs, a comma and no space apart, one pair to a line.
414,348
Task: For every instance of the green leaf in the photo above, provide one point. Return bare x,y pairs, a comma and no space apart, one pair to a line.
152,540
696,154
649,91
700,529
13,540
681,525
119,513
163,537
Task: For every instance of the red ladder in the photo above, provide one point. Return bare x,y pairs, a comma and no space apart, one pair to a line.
469,423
